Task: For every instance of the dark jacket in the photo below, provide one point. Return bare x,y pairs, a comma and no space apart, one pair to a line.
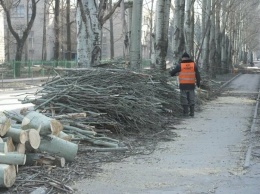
197,74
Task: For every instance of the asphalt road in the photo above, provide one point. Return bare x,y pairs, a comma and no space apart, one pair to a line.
209,156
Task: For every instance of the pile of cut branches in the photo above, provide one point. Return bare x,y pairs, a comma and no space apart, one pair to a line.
114,99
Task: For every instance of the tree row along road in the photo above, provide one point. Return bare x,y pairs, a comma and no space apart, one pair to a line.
208,156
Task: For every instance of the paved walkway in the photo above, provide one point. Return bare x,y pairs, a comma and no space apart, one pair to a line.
208,157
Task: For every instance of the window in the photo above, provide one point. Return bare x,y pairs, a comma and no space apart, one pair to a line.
18,12
31,40
30,10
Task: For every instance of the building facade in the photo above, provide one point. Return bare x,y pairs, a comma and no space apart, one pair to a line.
2,37
42,31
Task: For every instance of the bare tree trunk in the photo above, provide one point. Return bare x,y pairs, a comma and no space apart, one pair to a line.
89,34
161,33
217,38
8,45
20,41
111,23
57,30
223,38
178,37
192,30
125,33
205,56
151,29
90,19
44,43
188,26
136,32
212,42
68,30
26,42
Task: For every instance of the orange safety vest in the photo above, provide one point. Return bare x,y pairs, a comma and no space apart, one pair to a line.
187,73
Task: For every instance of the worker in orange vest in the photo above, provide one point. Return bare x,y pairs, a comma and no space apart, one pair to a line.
189,77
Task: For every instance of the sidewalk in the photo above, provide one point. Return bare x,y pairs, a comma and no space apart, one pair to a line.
24,79
21,83
207,157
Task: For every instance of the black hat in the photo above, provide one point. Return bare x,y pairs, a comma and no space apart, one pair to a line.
185,55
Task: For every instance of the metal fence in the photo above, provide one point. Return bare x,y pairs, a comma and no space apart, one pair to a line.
29,69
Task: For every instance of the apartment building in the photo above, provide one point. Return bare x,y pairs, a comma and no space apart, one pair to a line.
122,33
34,49
2,40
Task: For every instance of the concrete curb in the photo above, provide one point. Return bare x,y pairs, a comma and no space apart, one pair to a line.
226,83
24,79
249,150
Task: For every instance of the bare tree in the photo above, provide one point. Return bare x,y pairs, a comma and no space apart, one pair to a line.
111,23
188,27
136,32
161,33
20,41
90,19
44,35
68,30
178,29
57,30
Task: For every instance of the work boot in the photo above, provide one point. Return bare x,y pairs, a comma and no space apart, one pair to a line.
192,110
185,110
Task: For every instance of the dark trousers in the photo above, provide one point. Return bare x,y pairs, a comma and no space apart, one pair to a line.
187,97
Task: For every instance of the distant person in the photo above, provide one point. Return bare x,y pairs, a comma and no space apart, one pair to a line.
252,64
189,77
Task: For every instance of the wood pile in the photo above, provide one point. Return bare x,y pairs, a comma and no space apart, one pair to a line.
33,139
81,108
27,144
112,99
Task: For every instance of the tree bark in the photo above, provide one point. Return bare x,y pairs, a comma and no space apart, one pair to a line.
188,26
12,158
44,34
178,37
136,32
88,34
68,30
57,30
3,147
40,159
59,147
111,32
161,33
